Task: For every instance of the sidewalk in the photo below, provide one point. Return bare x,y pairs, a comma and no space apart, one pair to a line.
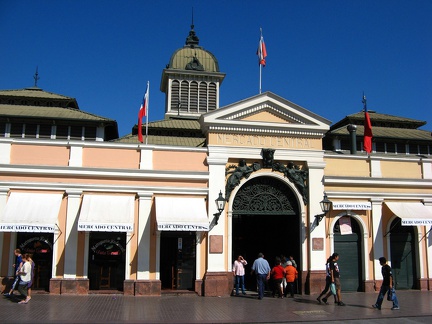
416,307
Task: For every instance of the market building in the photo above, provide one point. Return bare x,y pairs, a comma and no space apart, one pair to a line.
114,214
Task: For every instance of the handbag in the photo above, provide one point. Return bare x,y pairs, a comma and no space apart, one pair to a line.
390,294
333,288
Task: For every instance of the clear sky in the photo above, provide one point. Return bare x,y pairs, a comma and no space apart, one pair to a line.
322,54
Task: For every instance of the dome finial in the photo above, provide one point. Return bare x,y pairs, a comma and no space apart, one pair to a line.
36,77
192,39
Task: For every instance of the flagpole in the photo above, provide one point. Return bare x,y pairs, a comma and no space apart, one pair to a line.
147,109
260,76
260,65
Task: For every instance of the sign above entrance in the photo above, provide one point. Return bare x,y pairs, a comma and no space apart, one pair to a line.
351,205
411,213
266,141
107,213
31,212
181,214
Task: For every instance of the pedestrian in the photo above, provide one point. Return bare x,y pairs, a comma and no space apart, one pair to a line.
328,282
335,279
387,286
17,265
25,275
277,274
291,275
239,273
30,284
294,264
261,268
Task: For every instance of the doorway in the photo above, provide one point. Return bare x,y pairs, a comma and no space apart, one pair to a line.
403,255
40,246
349,247
265,218
178,260
106,267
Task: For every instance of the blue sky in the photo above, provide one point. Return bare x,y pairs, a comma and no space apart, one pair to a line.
322,54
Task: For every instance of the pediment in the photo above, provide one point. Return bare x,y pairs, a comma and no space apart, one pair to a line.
266,114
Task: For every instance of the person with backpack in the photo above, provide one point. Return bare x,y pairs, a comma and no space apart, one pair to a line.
387,286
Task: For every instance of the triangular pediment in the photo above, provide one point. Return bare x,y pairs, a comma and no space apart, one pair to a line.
266,114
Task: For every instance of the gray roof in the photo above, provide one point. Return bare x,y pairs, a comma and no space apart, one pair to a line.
386,132
164,140
173,131
40,112
33,92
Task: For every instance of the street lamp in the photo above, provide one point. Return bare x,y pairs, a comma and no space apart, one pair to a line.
220,204
325,207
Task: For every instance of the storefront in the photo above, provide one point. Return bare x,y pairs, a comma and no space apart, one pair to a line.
181,222
31,218
106,219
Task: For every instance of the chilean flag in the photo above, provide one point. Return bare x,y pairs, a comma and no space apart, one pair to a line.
261,52
367,135
142,113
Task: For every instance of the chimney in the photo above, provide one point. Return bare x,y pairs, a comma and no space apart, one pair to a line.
352,130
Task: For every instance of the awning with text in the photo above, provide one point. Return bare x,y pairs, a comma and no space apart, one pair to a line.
181,214
31,212
107,213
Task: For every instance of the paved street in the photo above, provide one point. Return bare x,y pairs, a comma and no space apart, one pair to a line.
416,307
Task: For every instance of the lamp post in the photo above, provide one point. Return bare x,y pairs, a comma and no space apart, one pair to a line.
220,204
325,207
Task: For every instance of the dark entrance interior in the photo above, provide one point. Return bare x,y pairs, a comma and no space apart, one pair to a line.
178,259
265,219
106,267
39,245
403,255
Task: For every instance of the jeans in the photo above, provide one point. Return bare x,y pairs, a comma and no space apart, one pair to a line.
289,289
239,280
261,279
382,294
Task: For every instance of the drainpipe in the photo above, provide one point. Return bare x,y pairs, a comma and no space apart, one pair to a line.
352,130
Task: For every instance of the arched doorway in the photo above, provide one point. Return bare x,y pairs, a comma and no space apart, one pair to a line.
265,218
349,247
403,255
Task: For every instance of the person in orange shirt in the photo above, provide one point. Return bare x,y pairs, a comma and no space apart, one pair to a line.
291,275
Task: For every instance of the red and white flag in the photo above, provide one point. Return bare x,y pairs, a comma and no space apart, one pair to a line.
261,51
142,113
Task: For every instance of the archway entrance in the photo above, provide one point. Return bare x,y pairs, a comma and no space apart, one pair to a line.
403,255
265,218
349,247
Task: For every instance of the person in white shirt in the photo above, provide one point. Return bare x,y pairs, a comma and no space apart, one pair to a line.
26,276
239,273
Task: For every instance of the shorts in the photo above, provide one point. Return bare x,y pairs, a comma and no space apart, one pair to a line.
337,283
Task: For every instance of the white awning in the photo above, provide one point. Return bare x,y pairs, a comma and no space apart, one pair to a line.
411,213
181,214
31,212
107,213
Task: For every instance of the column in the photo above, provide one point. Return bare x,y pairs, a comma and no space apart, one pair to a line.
378,235
71,233
144,235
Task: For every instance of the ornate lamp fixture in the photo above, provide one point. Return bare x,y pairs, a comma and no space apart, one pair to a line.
220,203
325,207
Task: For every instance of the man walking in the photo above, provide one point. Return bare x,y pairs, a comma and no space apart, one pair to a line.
387,285
262,270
